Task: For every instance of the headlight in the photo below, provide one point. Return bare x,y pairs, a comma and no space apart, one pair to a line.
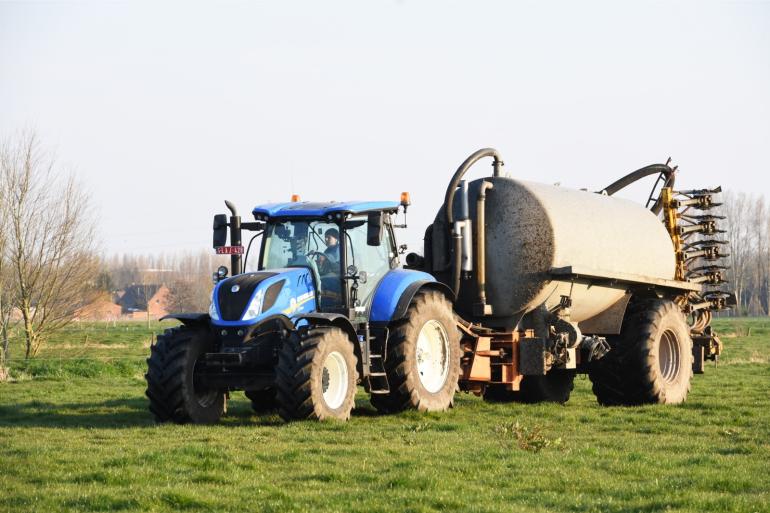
255,306
213,311
213,307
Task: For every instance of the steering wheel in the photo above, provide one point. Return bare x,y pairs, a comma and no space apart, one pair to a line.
323,265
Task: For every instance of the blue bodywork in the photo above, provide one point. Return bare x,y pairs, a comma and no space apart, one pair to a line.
297,297
389,292
318,209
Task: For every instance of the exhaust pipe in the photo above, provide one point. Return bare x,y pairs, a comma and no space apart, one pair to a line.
235,238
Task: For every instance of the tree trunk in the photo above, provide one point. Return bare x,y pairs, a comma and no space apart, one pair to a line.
29,331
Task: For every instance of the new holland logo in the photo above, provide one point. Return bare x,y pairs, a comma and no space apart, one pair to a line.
235,289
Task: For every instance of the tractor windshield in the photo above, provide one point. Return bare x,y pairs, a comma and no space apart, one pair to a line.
313,244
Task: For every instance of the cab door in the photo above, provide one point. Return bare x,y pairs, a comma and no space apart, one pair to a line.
373,260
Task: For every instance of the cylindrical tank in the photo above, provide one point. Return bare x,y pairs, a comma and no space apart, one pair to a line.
532,228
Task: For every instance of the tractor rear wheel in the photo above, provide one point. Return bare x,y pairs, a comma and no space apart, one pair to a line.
262,401
316,375
423,358
174,392
650,361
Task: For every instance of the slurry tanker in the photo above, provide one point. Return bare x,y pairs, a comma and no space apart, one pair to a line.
520,286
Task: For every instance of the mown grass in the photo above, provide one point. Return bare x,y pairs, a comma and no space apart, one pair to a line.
78,438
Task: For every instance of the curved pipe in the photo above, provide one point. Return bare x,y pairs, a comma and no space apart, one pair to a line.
231,208
644,172
449,197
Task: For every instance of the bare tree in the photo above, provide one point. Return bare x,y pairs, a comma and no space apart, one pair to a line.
6,287
191,284
51,240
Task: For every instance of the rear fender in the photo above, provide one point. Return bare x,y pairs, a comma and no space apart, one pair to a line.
396,291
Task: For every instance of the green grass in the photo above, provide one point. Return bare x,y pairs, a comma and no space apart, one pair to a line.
75,435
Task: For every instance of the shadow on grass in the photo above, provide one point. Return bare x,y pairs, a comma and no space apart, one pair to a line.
127,413
121,413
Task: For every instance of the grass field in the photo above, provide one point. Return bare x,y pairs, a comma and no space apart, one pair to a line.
75,435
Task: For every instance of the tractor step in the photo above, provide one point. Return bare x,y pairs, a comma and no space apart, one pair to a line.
377,383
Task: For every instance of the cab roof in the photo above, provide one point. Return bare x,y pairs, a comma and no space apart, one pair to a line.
320,209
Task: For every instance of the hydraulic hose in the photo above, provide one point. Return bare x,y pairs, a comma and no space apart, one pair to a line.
497,163
644,172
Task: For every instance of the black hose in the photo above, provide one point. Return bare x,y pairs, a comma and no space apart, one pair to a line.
644,172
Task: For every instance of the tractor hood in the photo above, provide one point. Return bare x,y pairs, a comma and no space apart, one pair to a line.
246,299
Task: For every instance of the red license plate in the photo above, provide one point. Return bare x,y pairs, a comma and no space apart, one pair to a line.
229,250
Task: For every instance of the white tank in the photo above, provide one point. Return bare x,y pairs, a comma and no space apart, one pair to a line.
533,228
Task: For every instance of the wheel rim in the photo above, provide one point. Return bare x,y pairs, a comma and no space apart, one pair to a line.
668,356
433,356
334,380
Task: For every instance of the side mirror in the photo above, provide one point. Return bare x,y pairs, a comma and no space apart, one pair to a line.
354,274
374,229
220,230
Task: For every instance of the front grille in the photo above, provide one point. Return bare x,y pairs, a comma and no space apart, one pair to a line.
232,304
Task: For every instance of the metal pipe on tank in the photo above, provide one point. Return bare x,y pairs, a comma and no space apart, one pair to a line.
456,261
463,225
481,308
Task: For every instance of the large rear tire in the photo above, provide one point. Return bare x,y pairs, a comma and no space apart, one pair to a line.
316,375
423,358
172,388
650,361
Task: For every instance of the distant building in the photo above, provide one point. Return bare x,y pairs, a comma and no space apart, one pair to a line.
101,309
136,300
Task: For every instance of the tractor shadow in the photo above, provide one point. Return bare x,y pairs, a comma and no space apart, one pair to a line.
132,412
110,414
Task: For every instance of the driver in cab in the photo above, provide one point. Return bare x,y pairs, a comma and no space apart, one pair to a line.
328,261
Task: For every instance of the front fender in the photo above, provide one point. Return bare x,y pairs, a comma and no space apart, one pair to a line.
189,319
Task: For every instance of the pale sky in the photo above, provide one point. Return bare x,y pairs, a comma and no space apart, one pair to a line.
165,110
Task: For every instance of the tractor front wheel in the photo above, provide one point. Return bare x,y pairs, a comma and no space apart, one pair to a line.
316,375
174,392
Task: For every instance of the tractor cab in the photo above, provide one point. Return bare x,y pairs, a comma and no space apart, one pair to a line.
347,247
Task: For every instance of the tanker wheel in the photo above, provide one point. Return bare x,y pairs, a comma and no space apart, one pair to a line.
316,375
423,358
650,361
174,392
555,387
262,400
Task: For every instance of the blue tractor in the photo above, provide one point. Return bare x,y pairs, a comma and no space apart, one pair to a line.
328,308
